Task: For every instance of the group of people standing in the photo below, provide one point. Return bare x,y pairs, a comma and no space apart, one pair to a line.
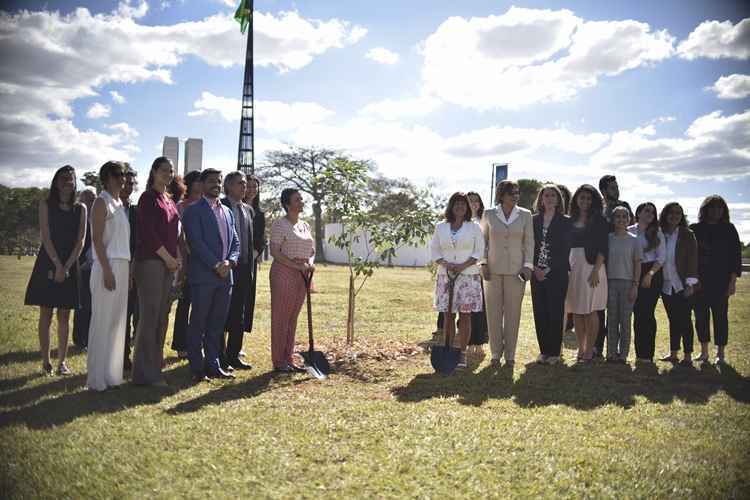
117,264
586,256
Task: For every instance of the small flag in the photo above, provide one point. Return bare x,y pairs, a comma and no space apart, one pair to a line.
243,15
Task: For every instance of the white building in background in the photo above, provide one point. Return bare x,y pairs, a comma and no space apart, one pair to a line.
171,149
407,256
193,155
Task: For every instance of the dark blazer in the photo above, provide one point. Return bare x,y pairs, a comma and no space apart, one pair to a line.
719,255
132,211
686,255
595,239
259,232
205,244
558,241
247,212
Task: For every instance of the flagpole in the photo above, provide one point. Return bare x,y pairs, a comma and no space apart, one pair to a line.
246,148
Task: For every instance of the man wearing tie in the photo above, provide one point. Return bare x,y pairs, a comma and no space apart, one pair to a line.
235,185
215,251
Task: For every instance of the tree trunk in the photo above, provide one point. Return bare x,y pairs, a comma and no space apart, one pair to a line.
350,313
319,233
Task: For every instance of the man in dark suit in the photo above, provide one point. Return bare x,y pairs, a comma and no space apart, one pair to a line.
215,251
82,315
235,185
132,315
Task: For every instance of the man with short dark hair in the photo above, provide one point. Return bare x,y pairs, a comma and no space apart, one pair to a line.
132,315
82,315
235,185
215,250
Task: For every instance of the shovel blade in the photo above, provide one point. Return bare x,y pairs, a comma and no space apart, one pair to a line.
444,359
316,360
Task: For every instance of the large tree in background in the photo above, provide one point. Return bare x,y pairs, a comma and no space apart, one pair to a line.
529,189
311,170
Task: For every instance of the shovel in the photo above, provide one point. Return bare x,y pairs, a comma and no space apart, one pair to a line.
444,358
316,363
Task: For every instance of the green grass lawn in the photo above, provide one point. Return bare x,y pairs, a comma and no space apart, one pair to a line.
378,427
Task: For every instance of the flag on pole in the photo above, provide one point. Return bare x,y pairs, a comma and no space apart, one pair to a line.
242,15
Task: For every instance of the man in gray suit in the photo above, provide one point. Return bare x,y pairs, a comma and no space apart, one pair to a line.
235,186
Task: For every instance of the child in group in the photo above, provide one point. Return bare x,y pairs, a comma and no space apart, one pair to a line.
624,274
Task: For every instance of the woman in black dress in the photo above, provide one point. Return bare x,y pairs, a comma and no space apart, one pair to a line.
252,198
719,266
54,280
479,336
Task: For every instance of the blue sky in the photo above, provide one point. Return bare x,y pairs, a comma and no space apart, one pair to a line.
654,92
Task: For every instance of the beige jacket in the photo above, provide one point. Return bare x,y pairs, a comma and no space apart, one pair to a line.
508,244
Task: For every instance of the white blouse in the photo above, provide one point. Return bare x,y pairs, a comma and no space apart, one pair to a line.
658,254
457,248
116,237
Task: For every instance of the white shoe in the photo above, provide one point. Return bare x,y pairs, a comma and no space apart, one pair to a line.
553,360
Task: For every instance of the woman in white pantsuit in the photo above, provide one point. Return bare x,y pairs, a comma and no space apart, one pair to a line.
110,238
508,261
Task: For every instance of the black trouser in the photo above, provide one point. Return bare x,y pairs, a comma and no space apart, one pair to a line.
132,315
716,306
181,315
644,321
82,315
235,324
548,300
680,324
250,303
602,335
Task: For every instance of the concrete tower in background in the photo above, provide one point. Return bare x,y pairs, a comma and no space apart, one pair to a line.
193,155
171,149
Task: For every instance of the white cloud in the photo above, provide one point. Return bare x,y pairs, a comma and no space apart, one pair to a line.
125,9
98,110
396,109
732,87
715,40
382,55
117,97
530,56
58,58
714,145
271,116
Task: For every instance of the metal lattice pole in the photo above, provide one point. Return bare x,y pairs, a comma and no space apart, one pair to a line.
246,148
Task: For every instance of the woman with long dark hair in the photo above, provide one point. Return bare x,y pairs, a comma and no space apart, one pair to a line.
719,266
479,335
587,286
54,281
654,253
252,198
549,282
157,260
680,276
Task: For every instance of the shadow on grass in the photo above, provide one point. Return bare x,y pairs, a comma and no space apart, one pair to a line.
472,388
75,403
234,391
582,387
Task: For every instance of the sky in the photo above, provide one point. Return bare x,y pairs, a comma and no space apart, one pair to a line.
656,93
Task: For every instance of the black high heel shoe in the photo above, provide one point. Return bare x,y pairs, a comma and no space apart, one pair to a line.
47,369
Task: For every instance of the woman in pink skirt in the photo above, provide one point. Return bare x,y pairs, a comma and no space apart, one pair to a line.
587,286
293,251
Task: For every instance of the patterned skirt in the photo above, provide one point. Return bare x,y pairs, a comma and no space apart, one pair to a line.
467,293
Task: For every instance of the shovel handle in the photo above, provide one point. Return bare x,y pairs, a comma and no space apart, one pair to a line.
451,282
308,282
